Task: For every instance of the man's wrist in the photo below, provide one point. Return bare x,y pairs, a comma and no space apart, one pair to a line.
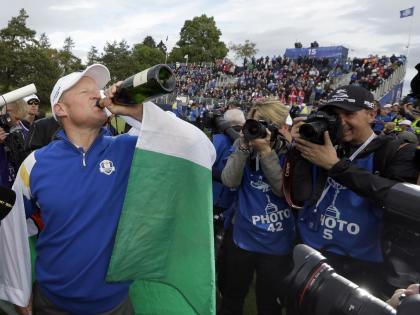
339,167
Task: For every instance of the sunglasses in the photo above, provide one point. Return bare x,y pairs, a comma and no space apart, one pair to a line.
33,102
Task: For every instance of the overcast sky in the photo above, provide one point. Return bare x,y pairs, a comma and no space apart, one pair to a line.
364,26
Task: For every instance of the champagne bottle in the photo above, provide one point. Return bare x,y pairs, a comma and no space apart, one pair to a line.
153,82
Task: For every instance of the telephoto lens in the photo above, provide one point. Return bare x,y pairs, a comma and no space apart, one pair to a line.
314,288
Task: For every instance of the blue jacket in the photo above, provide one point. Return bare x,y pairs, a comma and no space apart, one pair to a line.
81,197
223,196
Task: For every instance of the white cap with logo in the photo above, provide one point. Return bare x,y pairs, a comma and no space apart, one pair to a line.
99,73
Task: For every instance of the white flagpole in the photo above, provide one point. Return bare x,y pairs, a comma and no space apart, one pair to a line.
166,52
409,36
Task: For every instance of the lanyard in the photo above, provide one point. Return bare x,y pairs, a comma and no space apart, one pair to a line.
351,158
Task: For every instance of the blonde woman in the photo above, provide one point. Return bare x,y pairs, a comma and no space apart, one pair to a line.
263,228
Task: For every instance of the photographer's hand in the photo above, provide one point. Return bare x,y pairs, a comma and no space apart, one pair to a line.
263,145
297,122
3,135
135,111
395,300
324,156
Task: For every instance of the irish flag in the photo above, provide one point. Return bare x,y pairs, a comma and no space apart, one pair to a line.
164,238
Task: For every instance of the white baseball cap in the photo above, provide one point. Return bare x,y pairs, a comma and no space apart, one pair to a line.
99,73
31,97
387,106
405,122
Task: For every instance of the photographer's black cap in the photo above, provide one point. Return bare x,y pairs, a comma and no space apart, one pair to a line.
350,98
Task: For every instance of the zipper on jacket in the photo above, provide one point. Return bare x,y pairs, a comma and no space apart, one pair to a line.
84,160
80,149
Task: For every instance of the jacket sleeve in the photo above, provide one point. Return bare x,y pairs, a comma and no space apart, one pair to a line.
375,187
270,165
233,171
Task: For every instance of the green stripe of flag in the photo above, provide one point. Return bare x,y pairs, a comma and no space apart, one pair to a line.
165,235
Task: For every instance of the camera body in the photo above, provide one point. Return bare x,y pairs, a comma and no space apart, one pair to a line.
5,121
319,122
257,129
213,119
314,288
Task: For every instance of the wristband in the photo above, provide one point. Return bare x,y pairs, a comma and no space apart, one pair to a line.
242,149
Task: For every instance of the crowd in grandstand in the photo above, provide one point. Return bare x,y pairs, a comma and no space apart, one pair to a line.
371,72
293,81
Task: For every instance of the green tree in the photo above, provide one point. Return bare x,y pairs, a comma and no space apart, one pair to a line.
149,41
162,47
144,56
117,57
44,41
68,62
93,56
43,69
25,60
200,40
246,49
13,41
176,55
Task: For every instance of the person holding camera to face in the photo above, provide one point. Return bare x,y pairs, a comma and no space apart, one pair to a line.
12,140
342,172
263,231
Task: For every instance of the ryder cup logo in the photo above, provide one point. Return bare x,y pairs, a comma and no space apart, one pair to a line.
106,167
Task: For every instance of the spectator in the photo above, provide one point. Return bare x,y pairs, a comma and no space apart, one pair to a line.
408,137
405,125
32,102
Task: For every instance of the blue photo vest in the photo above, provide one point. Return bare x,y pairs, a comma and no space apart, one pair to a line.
344,222
264,222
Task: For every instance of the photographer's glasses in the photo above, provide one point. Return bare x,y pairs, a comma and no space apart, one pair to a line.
33,102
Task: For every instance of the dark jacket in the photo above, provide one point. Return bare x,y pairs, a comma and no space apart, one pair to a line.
392,165
41,133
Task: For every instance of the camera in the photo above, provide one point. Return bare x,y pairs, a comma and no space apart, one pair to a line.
257,129
213,120
5,121
314,288
319,122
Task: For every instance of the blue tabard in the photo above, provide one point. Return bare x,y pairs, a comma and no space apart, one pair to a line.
264,222
344,222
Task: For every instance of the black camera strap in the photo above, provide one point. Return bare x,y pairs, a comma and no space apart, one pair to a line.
288,179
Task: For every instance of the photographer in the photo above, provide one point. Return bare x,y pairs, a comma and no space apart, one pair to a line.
342,214
262,233
223,196
12,140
